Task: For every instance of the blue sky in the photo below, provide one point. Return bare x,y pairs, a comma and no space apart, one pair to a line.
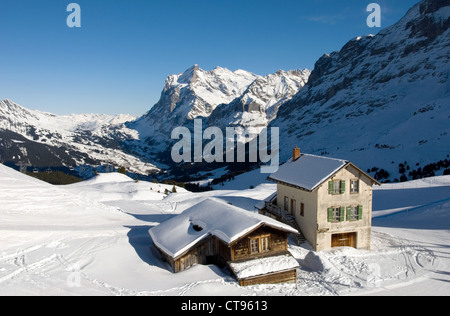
118,60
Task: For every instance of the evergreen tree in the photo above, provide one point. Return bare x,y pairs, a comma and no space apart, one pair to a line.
122,170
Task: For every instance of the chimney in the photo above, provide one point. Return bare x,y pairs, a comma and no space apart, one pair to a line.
296,154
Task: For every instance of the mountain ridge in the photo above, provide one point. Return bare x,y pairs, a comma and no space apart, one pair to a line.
65,141
382,99
221,97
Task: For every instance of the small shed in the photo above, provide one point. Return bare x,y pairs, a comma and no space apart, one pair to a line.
254,247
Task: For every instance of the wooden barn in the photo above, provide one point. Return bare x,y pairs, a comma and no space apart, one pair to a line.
254,247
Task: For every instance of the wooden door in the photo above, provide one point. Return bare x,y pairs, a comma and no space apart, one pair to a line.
343,240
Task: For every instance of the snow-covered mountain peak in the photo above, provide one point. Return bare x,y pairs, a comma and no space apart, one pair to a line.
222,96
188,76
197,77
259,103
43,139
13,114
191,94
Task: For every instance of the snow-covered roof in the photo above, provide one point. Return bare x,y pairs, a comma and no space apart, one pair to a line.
261,266
308,171
226,222
261,204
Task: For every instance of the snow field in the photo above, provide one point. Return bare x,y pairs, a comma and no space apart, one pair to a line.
92,239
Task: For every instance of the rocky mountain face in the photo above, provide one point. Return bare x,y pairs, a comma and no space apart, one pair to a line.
381,100
41,139
259,103
194,93
220,97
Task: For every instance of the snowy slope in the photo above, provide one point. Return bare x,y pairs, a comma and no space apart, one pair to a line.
60,241
41,229
119,187
381,100
55,241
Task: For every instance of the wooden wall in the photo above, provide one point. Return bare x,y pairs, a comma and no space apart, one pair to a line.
289,276
277,243
209,251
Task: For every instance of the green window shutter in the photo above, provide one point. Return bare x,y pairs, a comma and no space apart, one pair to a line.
342,186
349,213
342,214
330,187
360,212
330,214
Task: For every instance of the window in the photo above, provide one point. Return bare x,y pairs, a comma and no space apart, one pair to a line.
302,209
254,245
286,204
336,214
336,187
264,243
354,213
354,186
259,244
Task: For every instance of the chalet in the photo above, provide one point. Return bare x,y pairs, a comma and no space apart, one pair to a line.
253,246
330,200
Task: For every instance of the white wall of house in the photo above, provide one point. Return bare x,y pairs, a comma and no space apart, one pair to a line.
308,221
362,199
